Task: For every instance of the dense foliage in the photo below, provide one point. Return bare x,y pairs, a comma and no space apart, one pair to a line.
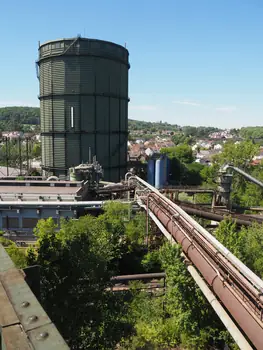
180,317
246,243
150,126
17,255
252,132
183,169
199,131
240,155
77,264
15,151
78,261
19,118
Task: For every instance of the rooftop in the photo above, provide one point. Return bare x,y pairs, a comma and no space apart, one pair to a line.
27,190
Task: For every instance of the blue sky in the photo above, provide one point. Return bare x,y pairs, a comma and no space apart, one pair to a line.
197,62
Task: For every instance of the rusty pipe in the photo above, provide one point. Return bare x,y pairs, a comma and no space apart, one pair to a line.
233,259
220,311
251,326
141,276
211,216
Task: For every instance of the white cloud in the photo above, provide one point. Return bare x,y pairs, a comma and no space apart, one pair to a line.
223,109
143,107
226,109
188,103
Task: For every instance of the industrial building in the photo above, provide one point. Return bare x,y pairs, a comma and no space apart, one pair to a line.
40,190
24,202
17,217
84,105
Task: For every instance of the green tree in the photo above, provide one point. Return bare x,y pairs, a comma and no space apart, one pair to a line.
18,118
252,132
246,243
17,255
179,318
232,238
239,155
77,264
182,152
36,151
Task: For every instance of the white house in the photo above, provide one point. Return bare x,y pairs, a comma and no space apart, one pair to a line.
218,147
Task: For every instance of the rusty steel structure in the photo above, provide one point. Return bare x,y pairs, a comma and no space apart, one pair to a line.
237,287
151,282
218,215
24,324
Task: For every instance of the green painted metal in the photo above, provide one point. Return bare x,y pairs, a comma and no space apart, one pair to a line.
88,79
23,322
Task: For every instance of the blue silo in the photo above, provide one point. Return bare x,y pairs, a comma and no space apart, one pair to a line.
165,170
151,172
168,165
159,173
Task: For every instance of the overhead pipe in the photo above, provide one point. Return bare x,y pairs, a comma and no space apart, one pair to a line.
205,214
141,276
210,296
239,309
223,250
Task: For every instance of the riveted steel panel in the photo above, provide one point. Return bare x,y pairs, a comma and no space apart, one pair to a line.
114,151
73,149
88,121
58,79
47,338
42,115
101,68
87,76
48,110
59,112
47,151
102,109
123,116
23,322
114,114
45,77
59,151
72,75
19,292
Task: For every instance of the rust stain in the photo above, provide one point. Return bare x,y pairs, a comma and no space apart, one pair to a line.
7,312
15,339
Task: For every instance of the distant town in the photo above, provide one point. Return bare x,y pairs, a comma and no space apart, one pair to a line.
144,143
145,138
